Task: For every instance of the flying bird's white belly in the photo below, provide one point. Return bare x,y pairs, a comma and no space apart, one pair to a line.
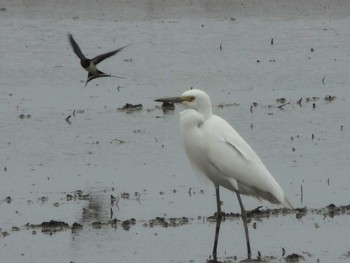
92,69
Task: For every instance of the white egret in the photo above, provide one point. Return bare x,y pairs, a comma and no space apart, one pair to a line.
217,151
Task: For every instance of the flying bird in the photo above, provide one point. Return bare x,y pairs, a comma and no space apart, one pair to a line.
90,64
216,151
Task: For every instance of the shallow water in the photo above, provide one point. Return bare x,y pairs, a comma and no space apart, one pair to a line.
104,152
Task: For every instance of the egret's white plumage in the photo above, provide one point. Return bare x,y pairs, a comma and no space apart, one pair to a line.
216,150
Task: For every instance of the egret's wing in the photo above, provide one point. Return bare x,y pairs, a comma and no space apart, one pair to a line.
75,47
237,149
235,160
102,57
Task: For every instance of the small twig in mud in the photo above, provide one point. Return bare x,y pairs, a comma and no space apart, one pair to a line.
113,199
299,102
111,213
284,104
67,119
116,202
189,191
259,255
117,141
308,99
254,104
301,194
138,198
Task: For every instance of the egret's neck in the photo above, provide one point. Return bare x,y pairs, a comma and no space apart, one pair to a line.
206,111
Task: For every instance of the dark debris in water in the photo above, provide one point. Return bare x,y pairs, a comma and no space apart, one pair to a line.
329,98
258,213
266,213
294,258
53,226
347,255
158,221
226,105
233,259
117,141
128,107
168,106
329,211
50,227
332,210
8,199
24,116
282,103
68,118
77,226
77,195
125,195
170,222
126,224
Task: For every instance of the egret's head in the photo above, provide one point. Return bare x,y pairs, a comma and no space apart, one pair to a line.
192,99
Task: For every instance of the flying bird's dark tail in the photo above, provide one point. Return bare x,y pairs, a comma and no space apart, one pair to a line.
100,75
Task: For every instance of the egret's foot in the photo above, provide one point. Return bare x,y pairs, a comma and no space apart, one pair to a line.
250,260
219,215
213,261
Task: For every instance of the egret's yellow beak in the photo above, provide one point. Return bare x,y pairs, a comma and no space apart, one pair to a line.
176,99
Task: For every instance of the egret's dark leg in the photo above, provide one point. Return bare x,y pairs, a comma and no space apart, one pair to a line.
244,218
218,222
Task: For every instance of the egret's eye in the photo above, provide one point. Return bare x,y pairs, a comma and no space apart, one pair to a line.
189,98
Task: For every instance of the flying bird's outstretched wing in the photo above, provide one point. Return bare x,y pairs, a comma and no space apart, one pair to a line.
102,57
76,48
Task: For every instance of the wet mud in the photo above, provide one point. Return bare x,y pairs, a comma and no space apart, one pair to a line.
258,214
